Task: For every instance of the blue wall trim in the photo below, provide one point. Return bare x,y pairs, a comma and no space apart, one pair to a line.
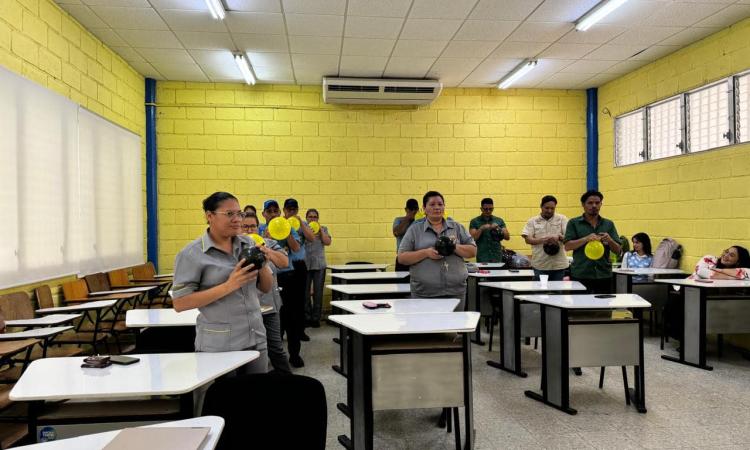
592,140
152,199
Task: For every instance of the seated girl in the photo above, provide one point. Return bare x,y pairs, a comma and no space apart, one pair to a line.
641,256
733,264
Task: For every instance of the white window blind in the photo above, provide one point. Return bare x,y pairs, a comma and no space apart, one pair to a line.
665,129
742,99
708,117
629,143
50,192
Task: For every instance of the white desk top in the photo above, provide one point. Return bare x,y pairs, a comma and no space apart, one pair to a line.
588,301
348,267
34,333
503,274
154,374
87,306
486,265
100,440
400,306
160,318
385,288
422,323
648,271
369,275
712,284
131,290
52,319
534,286
164,275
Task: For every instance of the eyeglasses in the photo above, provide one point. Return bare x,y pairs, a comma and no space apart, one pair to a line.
249,227
232,214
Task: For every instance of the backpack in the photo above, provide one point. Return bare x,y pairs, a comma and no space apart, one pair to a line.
667,254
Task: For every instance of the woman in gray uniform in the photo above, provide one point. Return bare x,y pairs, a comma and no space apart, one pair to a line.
208,275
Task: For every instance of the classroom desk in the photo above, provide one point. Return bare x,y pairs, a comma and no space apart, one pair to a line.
166,317
624,277
100,440
164,275
360,291
569,339
131,290
390,369
98,307
654,293
164,330
357,267
44,321
475,301
366,278
521,319
398,306
708,311
154,375
45,334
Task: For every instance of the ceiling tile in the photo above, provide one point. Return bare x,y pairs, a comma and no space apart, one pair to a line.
378,8
430,29
655,52
468,49
408,67
367,47
195,5
645,35
128,54
333,7
150,38
567,51
108,36
688,36
362,66
257,23
631,12
268,6
217,64
491,70
588,66
504,10
597,80
485,30
373,27
146,69
314,25
624,67
130,18
182,72
452,71
281,60
85,16
540,31
614,52
123,3
165,56
315,44
518,50
560,80
598,34
325,63
726,17
312,77
274,74
407,47
681,14
261,42
562,10
182,20
204,41
441,9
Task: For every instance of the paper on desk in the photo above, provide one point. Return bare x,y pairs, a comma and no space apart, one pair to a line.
163,438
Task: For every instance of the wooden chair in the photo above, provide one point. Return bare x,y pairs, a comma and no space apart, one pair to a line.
147,271
119,279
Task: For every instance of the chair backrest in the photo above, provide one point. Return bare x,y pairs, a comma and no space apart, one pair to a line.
144,271
97,282
75,289
16,305
118,277
44,297
283,403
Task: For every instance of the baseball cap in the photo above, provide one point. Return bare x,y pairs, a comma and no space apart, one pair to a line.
269,203
291,203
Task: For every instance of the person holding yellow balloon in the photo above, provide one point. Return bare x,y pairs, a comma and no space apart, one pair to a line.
591,237
315,260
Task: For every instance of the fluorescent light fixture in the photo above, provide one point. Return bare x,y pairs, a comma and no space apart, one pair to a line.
247,72
520,70
216,9
597,13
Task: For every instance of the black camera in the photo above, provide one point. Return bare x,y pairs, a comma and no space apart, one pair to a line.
496,234
445,246
551,248
252,255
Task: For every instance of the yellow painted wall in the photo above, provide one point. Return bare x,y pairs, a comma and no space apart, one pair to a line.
45,44
700,200
358,165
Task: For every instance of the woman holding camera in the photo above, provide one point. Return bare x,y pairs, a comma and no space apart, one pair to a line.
209,275
437,270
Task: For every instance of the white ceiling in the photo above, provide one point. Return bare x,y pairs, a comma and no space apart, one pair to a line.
467,43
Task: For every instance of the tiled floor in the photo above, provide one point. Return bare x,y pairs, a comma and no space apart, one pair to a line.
687,407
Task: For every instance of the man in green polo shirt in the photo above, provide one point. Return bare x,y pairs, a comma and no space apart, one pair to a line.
596,275
488,232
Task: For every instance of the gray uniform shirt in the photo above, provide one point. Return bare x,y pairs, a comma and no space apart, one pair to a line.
233,322
444,277
272,298
315,253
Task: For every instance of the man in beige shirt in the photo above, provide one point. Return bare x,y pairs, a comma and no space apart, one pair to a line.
545,235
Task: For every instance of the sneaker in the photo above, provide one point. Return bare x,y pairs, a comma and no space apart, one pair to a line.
577,371
304,337
296,361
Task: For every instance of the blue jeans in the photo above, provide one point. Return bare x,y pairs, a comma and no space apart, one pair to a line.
554,275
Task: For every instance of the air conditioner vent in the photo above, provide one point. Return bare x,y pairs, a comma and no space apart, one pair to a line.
380,91
352,88
410,89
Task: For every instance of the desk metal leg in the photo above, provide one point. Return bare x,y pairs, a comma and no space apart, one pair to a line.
360,379
510,330
693,343
638,395
623,283
468,397
475,305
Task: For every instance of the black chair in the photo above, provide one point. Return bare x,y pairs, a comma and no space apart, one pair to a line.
280,411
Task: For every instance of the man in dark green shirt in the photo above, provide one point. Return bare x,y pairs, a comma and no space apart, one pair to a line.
488,232
596,275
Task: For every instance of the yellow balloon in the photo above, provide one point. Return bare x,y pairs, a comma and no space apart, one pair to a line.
258,239
279,228
315,227
294,222
419,215
445,214
594,250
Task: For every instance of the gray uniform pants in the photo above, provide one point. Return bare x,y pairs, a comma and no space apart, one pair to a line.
313,309
276,353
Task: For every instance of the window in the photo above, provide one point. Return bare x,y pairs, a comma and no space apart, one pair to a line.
665,129
708,117
629,144
742,100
